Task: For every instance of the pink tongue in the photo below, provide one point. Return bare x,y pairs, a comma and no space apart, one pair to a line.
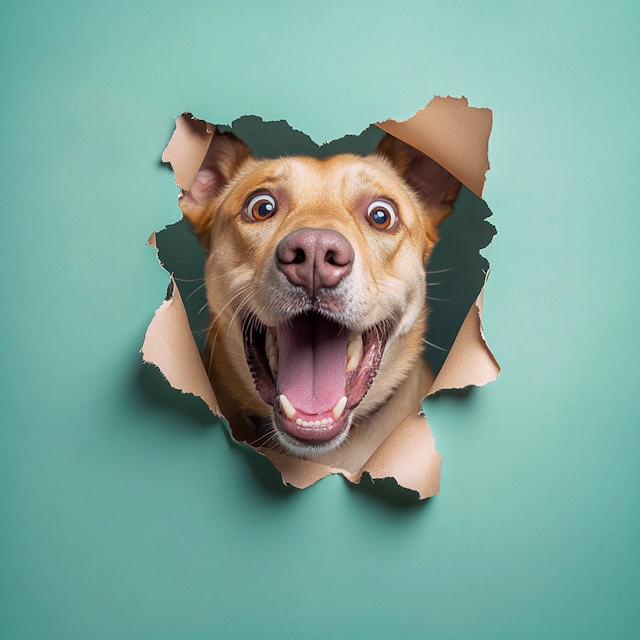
312,363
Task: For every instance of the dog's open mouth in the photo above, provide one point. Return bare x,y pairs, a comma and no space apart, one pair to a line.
313,372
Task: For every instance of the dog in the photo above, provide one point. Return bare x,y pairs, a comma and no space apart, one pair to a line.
315,276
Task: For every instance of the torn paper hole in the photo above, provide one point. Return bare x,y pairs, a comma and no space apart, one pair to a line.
390,437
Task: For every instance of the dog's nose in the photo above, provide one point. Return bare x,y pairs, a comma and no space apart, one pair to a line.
314,258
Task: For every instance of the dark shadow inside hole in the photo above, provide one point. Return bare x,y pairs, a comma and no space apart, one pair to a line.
388,492
456,273
456,268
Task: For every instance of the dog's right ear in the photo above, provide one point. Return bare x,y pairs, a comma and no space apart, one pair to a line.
435,186
226,154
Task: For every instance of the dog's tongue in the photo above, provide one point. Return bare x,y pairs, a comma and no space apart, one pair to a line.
312,363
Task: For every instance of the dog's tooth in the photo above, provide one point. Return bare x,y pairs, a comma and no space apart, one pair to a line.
355,344
299,421
287,407
338,410
274,352
271,342
305,423
353,335
353,362
273,363
329,420
324,421
354,351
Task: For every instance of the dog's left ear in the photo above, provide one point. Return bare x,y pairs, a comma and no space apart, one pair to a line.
226,154
437,188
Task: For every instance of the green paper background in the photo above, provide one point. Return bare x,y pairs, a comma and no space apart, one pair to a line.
126,512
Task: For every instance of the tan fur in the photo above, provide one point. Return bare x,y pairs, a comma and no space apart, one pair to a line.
388,277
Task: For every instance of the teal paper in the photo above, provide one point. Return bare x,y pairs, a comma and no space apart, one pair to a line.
126,512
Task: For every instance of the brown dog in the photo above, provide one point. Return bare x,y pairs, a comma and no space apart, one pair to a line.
316,284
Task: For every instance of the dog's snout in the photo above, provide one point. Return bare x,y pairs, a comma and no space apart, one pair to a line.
315,258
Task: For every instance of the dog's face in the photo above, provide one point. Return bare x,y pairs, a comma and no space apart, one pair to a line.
316,270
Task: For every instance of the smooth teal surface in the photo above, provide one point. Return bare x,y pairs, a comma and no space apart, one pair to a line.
127,514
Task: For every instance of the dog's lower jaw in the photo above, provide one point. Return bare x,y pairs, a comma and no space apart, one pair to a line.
402,381
311,450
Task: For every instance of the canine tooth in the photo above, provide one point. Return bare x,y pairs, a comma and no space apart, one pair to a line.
287,407
353,362
299,421
324,421
271,341
274,352
305,423
273,363
339,408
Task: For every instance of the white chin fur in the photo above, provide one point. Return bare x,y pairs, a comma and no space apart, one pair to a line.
309,452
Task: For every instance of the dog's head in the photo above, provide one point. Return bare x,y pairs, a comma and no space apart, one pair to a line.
318,266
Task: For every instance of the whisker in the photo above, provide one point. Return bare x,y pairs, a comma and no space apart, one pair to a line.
249,297
215,322
222,275
435,346
388,311
185,280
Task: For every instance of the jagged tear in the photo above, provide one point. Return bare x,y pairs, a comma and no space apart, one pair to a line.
457,137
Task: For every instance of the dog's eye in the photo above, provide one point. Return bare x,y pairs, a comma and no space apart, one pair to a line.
261,207
381,214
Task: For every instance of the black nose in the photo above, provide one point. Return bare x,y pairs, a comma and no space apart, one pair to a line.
315,258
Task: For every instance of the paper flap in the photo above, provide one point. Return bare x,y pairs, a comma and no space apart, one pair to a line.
169,345
187,148
470,361
297,472
409,455
454,134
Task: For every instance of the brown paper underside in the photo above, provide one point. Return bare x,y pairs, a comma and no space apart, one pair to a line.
456,136
470,361
187,148
169,344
